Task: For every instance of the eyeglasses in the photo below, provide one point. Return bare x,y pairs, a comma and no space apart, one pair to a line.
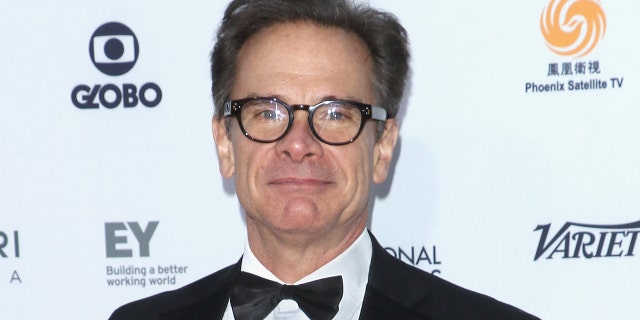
334,122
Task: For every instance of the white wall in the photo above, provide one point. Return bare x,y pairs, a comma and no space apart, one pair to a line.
481,162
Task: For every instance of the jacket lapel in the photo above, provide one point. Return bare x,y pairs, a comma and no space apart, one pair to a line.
210,305
391,290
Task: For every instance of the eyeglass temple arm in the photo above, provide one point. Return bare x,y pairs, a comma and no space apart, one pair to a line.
378,113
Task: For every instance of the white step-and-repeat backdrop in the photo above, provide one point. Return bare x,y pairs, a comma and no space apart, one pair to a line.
518,169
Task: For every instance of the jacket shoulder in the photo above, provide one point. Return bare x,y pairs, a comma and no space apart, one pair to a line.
208,295
426,296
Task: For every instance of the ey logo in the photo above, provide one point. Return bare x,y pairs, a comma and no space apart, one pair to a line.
116,233
573,27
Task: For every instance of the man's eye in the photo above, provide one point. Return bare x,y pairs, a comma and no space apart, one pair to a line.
265,113
269,114
335,115
339,113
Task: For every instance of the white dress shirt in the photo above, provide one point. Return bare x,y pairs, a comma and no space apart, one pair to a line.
352,265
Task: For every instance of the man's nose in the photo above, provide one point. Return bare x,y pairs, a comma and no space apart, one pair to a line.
299,143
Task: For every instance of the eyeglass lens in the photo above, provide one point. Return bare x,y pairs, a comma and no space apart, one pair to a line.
331,121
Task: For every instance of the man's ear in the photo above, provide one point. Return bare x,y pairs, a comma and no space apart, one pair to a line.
224,147
383,151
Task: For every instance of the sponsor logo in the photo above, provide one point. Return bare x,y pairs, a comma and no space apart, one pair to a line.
13,277
141,276
573,28
117,240
425,258
587,241
117,236
9,249
9,244
114,51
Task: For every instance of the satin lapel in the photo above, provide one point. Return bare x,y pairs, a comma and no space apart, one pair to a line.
211,306
391,292
378,306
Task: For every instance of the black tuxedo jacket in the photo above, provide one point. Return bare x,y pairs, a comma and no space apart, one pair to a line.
395,291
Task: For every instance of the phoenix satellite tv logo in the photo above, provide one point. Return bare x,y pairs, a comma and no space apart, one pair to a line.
573,27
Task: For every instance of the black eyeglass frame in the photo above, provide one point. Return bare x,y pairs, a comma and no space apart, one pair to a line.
233,108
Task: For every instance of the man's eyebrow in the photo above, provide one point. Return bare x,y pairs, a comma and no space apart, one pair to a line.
262,95
267,95
331,97
287,100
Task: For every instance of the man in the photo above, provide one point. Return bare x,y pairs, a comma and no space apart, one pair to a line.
305,94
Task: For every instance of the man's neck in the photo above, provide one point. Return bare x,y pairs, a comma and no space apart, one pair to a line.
292,257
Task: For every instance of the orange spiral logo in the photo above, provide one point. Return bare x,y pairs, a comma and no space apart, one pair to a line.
573,27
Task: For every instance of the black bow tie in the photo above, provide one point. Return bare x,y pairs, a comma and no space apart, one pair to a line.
253,297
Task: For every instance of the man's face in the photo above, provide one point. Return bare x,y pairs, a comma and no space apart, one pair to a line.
299,185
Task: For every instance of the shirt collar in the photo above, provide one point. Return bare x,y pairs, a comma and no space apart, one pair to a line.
352,265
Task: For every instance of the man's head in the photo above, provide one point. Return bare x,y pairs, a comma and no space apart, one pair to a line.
305,53
385,38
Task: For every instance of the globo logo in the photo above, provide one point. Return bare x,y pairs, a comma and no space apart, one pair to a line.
111,95
114,51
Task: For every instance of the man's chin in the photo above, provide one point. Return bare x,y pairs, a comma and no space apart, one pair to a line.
300,226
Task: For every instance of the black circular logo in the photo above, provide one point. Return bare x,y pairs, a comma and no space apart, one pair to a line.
114,48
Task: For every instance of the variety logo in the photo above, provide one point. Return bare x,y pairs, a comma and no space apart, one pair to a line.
587,241
114,51
573,27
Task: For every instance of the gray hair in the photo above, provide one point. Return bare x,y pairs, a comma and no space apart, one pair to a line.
383,35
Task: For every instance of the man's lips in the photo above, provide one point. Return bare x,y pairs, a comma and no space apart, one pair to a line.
299,182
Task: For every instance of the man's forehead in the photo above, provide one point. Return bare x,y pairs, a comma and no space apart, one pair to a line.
302,55
295,35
